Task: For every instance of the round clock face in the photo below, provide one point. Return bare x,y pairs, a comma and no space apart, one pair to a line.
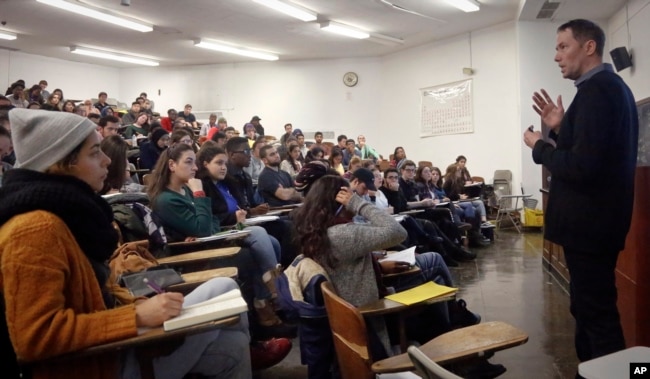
350,79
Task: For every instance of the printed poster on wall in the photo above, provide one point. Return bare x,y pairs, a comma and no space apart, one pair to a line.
447,109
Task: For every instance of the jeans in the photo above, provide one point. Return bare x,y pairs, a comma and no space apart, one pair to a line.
220,353
432,268
265,251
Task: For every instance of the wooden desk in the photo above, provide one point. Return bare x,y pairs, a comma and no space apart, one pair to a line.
460,344
285,207
199,256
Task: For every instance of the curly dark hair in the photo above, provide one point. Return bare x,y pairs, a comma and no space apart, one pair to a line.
315,216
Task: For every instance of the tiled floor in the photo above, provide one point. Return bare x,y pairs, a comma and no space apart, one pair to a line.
506,282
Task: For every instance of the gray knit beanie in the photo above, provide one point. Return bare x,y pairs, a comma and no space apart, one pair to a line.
43,138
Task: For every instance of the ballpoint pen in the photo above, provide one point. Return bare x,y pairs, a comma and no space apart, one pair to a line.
151,284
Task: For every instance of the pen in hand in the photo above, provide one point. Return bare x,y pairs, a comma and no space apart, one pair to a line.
151,284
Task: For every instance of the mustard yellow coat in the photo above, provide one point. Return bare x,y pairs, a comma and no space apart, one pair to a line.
53,301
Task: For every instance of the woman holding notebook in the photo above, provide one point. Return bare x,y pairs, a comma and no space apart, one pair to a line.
55,240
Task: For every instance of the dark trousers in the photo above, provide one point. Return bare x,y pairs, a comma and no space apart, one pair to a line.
593,303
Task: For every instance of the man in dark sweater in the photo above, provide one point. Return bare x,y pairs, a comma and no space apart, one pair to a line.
595,138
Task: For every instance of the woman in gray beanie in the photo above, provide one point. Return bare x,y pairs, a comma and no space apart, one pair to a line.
55,240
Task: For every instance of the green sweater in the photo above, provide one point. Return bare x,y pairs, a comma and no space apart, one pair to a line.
184,215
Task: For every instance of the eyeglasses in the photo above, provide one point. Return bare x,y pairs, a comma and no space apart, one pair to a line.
186,141
392,177
245,151
409,169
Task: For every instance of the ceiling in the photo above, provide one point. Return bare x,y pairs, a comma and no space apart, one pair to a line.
48,31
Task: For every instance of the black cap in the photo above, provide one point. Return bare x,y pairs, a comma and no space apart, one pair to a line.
255,118
366,177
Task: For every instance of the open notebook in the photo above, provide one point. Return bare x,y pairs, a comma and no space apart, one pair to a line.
222,306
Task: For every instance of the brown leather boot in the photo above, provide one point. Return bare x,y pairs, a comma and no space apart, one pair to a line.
265,314
269,280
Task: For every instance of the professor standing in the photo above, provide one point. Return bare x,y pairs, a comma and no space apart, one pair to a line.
596,140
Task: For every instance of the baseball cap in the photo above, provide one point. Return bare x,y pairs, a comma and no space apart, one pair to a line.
366,177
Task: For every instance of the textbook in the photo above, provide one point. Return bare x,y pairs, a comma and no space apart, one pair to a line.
225,305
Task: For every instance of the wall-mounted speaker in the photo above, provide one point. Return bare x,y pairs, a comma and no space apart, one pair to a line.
621,58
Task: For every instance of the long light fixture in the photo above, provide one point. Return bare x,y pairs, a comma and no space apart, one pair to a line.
344,30
112,56
235,50
465,5
99,15
7,35
291,10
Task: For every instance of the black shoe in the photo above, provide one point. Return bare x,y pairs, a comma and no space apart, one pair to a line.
485,370
461,254
479,243
460,316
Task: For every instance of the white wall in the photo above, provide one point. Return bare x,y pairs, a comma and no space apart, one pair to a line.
309,94
78,81
493,145
638,76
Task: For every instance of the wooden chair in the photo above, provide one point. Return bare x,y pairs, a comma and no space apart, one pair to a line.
425,164
147,180
384,165
478,179
351,341
428,368
350,336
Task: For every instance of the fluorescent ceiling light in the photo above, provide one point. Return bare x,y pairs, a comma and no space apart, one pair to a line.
7,35
235,50
112,56
465,5
99,15
343,30
291,10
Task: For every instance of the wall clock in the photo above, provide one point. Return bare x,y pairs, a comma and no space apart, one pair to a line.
350,79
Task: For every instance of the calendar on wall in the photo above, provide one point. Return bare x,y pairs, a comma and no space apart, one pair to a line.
447,109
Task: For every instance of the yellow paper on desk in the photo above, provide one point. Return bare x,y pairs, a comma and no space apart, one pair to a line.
426,291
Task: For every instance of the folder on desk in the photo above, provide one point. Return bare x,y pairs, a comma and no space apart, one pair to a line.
423,292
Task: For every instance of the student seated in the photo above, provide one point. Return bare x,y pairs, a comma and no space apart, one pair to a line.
344,249
446,229
454,186
119,177
179,200
56,230
292,165
228,202
150,150
275,185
